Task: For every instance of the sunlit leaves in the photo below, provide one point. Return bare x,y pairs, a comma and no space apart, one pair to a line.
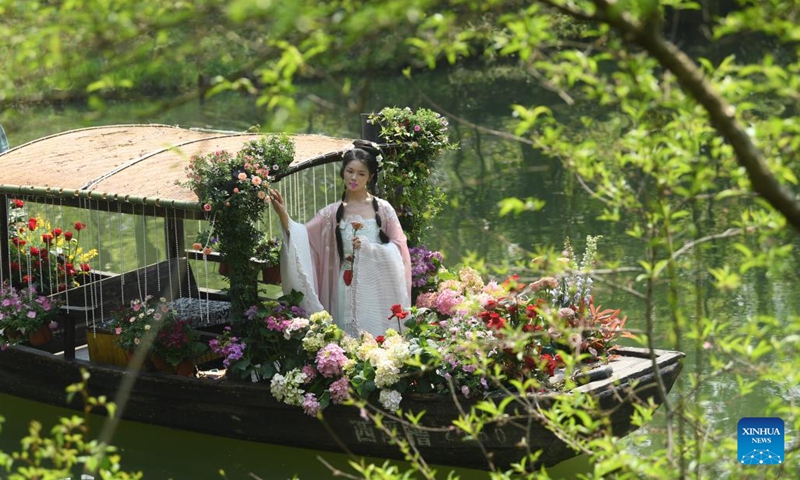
725,279
516,206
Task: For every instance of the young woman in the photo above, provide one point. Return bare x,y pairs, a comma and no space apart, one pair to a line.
352,258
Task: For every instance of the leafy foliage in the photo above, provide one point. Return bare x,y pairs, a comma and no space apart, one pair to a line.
268,250
66,451
406,171
234,189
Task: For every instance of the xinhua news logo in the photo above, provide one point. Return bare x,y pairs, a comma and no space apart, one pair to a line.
760,441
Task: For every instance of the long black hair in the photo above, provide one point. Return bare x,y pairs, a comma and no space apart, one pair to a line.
365,153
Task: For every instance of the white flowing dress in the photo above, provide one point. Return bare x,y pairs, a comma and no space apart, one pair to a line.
381,272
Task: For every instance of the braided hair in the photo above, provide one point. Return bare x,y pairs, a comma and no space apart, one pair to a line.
365,153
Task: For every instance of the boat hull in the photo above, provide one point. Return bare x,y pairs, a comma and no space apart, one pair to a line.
248,411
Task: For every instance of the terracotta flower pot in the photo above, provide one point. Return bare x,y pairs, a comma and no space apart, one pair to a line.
12,334
185,368
224,269
160,364
271,275
41,336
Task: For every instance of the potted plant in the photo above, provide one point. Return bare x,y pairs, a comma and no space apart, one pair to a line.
26,315
176,346
268,256
132,323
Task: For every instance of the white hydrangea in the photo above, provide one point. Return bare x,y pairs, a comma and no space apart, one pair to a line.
368,346
349,344
313,341
387,373
390,399
322,317
287,388
388,359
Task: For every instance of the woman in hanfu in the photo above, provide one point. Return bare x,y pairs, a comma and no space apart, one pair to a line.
352,258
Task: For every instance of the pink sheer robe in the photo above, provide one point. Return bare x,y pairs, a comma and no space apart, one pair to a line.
381,272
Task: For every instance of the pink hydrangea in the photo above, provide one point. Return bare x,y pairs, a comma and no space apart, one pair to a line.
447,301
310,372
340,390
426,300
310,404
331,360
276,324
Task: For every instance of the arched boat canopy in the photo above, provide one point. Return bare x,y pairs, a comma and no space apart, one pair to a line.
134,164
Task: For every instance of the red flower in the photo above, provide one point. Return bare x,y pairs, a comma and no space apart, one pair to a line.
496,321
380,339
17,203
47,238
68,235
550,364
530,363
79,226
27,279
397,311
14,267
85,267
18,241
56,232
34,251
31,224
348,277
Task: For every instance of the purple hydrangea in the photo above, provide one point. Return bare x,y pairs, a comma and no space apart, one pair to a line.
424,265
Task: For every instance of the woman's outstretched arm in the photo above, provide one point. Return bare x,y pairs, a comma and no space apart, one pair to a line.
280,208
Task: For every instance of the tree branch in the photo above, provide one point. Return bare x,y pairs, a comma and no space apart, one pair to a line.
721,113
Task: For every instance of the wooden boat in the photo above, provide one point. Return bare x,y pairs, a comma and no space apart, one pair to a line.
133,170
248,410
